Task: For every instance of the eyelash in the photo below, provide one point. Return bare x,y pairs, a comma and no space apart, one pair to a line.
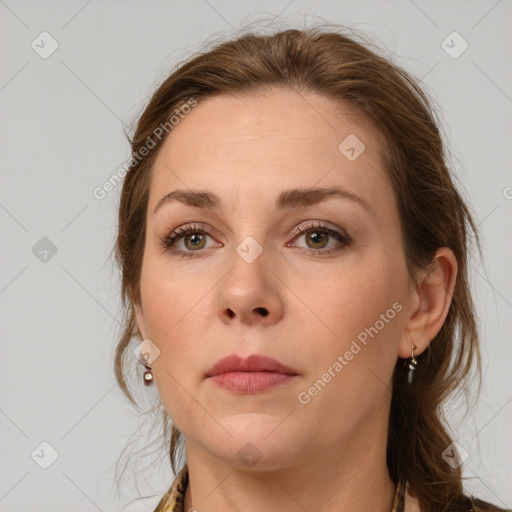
168,241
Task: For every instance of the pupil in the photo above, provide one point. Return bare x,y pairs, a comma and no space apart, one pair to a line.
195,240
315,237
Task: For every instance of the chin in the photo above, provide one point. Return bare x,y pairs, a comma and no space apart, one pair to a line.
255,426
253,445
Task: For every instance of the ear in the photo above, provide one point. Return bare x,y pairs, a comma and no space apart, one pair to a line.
139,318
429,303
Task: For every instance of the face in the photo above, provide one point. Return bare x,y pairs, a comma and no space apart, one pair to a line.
316,282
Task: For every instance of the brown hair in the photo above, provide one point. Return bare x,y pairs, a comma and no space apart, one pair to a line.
433,215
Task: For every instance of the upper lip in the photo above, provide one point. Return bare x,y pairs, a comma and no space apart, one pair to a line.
253,363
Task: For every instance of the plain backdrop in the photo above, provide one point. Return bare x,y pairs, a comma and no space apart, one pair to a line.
62,117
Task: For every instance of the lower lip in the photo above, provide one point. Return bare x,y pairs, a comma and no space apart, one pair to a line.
250,382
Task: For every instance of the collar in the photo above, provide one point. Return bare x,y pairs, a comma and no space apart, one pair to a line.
173,499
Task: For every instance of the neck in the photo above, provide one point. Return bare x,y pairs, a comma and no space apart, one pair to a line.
354,476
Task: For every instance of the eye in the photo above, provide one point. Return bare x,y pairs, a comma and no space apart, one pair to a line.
317,235
193,237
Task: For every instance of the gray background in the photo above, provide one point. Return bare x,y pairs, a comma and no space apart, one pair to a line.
61,133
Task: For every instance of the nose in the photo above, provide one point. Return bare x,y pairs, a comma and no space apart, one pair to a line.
251,292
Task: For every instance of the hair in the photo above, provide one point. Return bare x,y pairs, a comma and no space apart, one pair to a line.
433,214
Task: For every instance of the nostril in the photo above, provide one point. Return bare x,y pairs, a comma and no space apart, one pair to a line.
263,311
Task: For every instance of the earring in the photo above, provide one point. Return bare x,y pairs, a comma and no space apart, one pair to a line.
411,366
148,376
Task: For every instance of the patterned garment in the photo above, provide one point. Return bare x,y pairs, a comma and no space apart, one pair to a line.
173,499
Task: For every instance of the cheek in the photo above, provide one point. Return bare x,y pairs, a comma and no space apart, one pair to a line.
167,298
350,371
356,298
361,317
168,314
168,308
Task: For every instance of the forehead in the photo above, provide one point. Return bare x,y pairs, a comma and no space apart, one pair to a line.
281,137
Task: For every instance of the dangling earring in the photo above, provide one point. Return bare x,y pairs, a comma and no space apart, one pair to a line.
146,352
148,376
411,366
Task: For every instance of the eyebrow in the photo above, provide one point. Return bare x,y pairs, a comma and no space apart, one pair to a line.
293,198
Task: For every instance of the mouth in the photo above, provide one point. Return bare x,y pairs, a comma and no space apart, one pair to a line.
255,374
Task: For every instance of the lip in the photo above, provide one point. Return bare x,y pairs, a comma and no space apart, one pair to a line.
253,374
253,363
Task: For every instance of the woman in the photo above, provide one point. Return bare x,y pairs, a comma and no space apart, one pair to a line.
294,257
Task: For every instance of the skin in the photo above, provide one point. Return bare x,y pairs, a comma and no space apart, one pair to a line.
328,454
